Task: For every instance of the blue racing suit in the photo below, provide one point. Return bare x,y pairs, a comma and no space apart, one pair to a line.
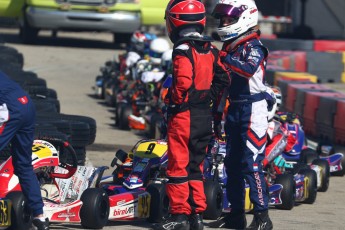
246,120
19,130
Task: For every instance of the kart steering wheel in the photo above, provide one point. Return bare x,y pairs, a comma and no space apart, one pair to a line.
66,148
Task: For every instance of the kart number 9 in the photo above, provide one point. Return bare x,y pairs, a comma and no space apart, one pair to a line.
36,148
150,148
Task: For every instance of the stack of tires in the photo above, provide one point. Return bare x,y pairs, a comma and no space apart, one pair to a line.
79,130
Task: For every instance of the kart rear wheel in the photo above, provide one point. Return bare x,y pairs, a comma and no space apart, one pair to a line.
21,218
123,119
214,199
325,174
159,206
308,155
288,193
94,212
311,187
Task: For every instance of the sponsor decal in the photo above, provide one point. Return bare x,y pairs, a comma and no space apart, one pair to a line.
255,167
123,212
66,215
259,188
23,100
334,168
120,202
170,225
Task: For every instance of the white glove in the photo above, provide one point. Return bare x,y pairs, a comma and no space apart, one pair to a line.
4,114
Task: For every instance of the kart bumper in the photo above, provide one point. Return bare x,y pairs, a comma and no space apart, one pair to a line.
118,21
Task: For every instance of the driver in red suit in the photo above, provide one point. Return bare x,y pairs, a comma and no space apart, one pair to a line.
196,66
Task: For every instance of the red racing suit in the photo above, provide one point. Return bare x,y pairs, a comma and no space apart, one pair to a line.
196,66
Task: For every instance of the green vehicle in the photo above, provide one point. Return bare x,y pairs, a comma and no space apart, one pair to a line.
120,17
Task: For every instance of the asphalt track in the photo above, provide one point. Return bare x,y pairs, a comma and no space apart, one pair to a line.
70,64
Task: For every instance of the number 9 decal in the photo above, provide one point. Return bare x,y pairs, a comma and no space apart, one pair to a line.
150,148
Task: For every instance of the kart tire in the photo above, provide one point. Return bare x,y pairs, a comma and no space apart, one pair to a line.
288,192
342,171
122,38
159,205
123,119
118,110
311,186
94,212
308,155
214,199
325,174
21,218
155,119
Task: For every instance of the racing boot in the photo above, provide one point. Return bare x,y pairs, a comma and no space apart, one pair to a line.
41,225
196,222
232,220
261,221
173,222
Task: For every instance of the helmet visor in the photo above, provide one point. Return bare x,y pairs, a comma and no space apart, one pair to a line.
155,54
227,10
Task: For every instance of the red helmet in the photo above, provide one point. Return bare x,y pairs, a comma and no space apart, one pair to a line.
181,14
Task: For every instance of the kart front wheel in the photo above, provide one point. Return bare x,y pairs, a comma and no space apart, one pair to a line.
21,218
159,205
324,174
214,199
94,212
311,185
288,193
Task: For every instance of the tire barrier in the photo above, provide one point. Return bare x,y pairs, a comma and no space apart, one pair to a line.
322,45
312,102
294,76
79,130
291,96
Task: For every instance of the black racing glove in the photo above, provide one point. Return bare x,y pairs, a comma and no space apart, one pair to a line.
217,126
173,109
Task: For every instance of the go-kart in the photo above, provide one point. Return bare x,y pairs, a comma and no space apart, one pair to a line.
335,159
69,191
284,188
136,188
301,152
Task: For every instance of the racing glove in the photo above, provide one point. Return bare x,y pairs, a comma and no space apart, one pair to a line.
217,126
279,161
173,109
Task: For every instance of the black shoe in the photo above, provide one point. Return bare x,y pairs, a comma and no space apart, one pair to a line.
232,220
196,222
261,221
173,222
41,225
